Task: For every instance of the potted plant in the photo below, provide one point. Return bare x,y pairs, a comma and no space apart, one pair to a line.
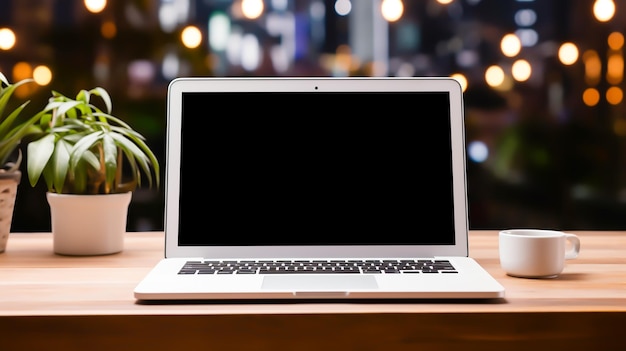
13,128
91,161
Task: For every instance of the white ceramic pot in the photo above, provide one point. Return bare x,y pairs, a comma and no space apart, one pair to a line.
85,225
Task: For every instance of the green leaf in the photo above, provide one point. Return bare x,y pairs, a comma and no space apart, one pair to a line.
82,146
98,91
39,152
4,79
68,108
135,154
110,159
60,162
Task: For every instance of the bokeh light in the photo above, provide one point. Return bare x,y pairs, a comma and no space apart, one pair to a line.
7,39
521,70
591,97
614,95
252,9
604,10
568,53
510,45
494,76
191,37
42,75
392,10
477,151
95,6
343,7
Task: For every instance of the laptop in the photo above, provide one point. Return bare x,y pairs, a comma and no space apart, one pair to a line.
316,188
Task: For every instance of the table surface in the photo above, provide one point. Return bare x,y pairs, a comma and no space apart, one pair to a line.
41,291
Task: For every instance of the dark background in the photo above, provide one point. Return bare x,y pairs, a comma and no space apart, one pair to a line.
553,161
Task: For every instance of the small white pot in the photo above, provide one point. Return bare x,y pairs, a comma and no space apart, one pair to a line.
85,225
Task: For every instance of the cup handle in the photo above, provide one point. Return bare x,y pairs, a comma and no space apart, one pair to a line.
574,249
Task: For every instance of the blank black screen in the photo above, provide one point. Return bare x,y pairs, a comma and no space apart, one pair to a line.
316,168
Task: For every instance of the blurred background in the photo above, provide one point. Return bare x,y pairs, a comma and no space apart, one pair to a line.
543,80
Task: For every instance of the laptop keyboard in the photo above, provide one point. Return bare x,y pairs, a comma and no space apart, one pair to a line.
318,266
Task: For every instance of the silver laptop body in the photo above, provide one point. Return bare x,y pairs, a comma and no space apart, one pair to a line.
316,188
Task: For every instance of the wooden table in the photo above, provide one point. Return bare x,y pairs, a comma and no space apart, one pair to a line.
52,302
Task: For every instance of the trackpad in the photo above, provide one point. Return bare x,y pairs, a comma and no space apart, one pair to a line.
339,282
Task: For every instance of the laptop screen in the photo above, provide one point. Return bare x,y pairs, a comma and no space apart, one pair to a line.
295,168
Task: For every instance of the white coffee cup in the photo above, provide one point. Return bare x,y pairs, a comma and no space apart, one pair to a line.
536,253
